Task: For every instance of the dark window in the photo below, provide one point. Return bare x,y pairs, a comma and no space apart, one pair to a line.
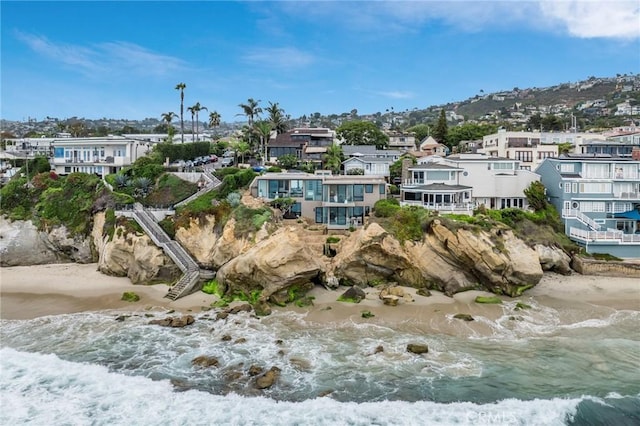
368,188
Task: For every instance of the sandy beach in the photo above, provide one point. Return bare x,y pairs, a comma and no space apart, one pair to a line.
31,291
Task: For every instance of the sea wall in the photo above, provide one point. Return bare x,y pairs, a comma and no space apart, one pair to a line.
606,268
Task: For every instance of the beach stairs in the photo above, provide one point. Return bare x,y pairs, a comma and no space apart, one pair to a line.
211,183
191,274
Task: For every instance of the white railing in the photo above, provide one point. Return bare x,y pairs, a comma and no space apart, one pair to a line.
442,207
576,214
598,236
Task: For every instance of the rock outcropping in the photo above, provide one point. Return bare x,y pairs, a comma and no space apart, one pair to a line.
445,260
22,244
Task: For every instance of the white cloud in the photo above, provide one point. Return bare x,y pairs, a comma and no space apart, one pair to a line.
112,58
286,58
396,94
591,19
579,18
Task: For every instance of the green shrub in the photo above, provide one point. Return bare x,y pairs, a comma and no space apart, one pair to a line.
386,207
488,299
367,314
212,287
332,239
130,296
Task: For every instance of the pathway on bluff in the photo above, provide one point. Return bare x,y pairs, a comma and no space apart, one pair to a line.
192,274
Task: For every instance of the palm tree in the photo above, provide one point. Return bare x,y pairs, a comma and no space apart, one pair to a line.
276,117
251,110
192,110
196,109
333,158
263,128
167,117
181,87
214,119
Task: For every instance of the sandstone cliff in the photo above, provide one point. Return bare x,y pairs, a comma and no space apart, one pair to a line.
21,244
445,260
132,255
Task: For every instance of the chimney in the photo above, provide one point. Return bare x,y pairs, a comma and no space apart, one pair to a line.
406,163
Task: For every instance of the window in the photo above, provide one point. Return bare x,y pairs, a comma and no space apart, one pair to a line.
502,166
313,190
368,188
592,206
438,176
574,187
296,188
567,187
383,189
567,168
595,188
358,192
525,156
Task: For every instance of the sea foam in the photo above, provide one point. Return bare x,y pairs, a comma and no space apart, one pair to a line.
42,389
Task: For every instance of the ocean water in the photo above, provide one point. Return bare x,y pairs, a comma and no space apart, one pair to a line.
534,367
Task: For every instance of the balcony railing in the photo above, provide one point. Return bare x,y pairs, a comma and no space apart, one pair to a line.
606,236
442,207
581,217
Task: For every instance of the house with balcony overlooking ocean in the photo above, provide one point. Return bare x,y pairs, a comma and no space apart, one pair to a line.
599,200
436,186
460,183
337,201
98,155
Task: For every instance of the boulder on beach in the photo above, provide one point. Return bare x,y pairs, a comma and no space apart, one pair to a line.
353,295
417,348
174,321
205,361
268,379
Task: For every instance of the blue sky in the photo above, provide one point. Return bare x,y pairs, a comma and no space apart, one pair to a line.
124,59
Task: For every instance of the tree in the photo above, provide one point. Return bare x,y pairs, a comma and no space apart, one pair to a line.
441,129
535,122
193,115
420,131
536,195
167,118
362,133
263,129
552,123
469,132
181,87
276,117
395,170
196,109
251,110
214,119
288,161
333,158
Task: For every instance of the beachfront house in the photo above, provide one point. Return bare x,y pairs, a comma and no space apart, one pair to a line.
436,186
459,183
98,155
338,201
599,200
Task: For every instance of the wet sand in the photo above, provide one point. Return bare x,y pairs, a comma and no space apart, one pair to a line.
31,291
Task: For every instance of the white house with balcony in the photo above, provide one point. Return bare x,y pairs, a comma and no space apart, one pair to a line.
98,155
436,186
530,148
497,183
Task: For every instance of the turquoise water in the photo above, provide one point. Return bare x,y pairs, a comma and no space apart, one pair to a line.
543,367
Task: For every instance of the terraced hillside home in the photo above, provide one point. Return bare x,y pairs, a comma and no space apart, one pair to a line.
530,148
306,144
599,200
338,201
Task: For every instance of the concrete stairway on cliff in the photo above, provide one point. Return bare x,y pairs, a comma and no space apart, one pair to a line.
191,272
